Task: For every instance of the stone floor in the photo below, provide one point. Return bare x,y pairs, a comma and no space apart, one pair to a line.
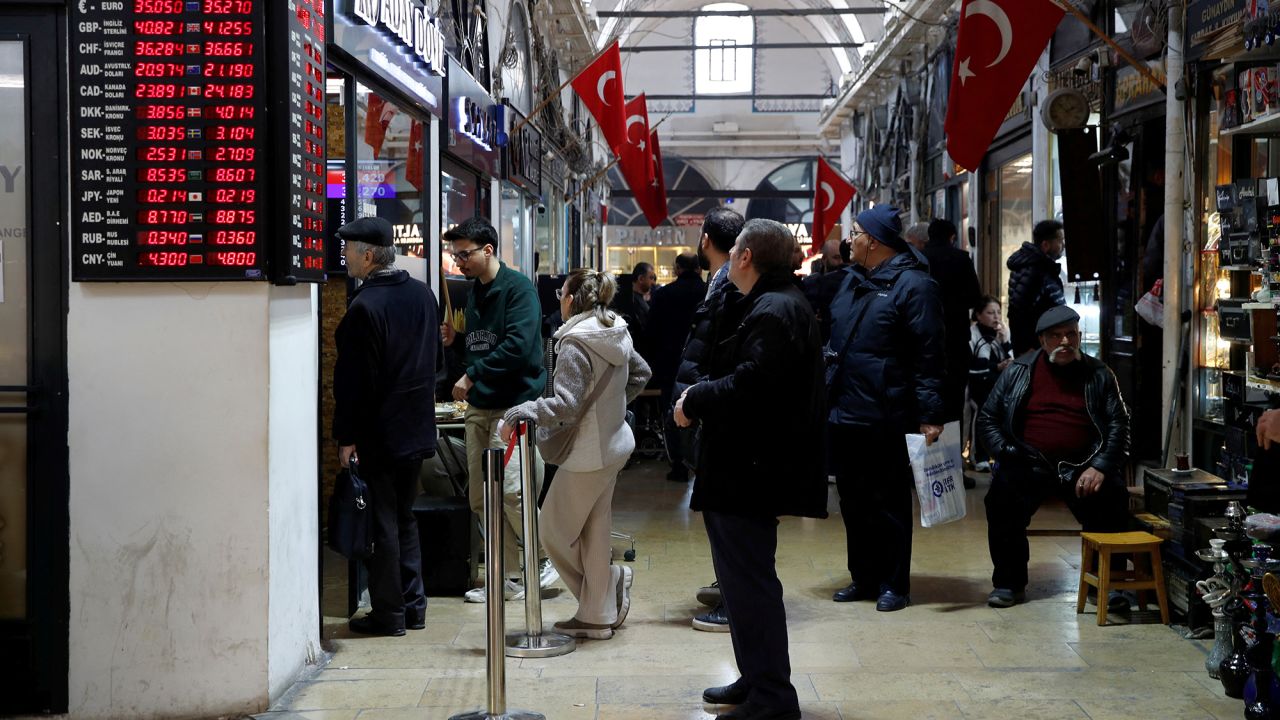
946,656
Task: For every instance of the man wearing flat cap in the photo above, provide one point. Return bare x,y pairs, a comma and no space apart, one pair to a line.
885,361
384,391
1058,426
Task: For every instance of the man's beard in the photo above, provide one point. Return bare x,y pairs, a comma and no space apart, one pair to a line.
704,262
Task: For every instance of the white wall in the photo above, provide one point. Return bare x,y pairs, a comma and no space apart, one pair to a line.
174,474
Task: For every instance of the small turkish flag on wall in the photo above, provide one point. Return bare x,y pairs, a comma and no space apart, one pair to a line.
600,87
997,46
831,193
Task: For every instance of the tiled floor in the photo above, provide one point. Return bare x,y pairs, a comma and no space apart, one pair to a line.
946,656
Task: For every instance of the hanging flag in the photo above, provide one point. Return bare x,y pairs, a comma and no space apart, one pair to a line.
831,193
377,118
997,45
413,168
653,201
634,156
600,87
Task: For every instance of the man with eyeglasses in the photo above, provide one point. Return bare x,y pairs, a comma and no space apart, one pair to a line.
1059,427
503,367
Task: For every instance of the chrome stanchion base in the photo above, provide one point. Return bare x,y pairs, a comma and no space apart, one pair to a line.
523,645
508,715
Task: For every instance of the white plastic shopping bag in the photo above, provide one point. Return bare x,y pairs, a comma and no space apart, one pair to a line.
939,474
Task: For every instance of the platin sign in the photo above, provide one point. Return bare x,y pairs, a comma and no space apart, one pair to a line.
408,21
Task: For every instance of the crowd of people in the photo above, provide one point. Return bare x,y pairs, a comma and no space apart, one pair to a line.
893,337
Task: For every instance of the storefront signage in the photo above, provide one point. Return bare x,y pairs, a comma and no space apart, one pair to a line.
408,21
522,154
473,122
689,220
1066,76
397,41
1134,90
1205,18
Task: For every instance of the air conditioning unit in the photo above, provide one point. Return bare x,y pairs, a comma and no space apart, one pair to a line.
724,127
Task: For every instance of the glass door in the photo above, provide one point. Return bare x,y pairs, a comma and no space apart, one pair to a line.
33,420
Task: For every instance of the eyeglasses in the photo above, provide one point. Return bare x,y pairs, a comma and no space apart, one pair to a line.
464,255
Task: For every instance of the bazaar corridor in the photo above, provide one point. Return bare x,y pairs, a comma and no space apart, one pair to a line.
947,656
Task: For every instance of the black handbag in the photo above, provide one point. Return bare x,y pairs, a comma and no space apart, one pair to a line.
350,522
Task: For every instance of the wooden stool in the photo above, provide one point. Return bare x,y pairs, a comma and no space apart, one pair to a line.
1095,569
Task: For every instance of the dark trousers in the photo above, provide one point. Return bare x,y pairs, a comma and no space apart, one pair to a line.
670,433
1017,490
874,478
395,568
742,552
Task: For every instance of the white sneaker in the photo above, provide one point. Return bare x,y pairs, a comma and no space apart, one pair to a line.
547,574
511,590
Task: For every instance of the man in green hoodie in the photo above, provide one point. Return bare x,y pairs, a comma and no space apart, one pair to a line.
502,357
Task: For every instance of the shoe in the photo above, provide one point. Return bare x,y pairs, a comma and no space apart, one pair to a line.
751,711
890,601
710,595
733,694
368,626
851,592
511,590
574,627
625,577
1117,602
681,475
715,621
547,574
413,621
1005,598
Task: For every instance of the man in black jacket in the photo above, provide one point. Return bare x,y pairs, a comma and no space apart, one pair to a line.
384,415
886,350
1035,283
958,283
766,364
670,315
1057,423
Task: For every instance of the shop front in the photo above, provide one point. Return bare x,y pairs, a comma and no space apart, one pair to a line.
470,156
520,204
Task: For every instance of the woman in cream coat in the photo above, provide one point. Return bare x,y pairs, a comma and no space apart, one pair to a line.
593,346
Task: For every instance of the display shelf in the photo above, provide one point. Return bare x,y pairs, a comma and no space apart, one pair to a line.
1268,124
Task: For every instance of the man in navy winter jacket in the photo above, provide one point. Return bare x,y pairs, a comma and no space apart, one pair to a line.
887,356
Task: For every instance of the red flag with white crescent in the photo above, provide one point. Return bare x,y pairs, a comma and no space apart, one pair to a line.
600,87
997,45
634,157
653,202
831,193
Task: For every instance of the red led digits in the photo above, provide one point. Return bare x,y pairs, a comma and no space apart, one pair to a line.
240,91
161,196
229,112
234,217
162,175
158,7
158,48
160,216
231,132
234,195
162,153
233,258
232,153
161,112
157,27
162,237
233,237
233,175
228,70
162,132
159,70
162,258
228,7
228,27
228,48
159,91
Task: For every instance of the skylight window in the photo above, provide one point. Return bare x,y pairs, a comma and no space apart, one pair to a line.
722,65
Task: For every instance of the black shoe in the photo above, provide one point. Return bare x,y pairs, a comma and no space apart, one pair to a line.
710,594
368,626
852,592
890,601
734,694
751,711
715,621
415,622
680,475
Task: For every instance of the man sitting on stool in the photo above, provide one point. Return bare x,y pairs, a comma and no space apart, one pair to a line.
1058,426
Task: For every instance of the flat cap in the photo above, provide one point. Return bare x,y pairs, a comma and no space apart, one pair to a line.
368,230
1056,316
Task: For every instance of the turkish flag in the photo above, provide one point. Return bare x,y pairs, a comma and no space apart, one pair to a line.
413,167
377,117
600,87
997,46
653,201
634,156
831,193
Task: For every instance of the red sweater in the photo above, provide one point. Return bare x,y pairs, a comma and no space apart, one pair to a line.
1056,421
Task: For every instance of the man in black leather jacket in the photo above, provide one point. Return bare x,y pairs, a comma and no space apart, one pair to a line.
1058,425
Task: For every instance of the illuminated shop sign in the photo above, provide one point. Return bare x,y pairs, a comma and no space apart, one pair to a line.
477,122
409,21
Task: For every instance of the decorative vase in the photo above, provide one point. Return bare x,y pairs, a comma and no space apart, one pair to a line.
1234,669
1222,646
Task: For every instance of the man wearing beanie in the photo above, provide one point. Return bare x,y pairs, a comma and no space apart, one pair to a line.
886,367
383,389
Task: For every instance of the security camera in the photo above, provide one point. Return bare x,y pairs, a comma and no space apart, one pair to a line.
542,209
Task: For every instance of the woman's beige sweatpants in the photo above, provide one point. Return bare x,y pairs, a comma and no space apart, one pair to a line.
575,523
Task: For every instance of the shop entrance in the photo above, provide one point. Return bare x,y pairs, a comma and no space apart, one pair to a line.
33,397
